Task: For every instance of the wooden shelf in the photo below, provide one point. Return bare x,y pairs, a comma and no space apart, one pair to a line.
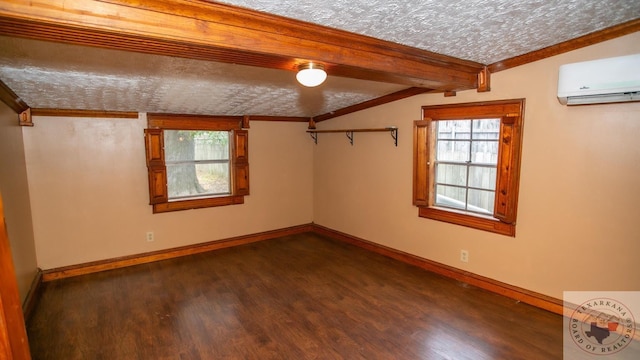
349,132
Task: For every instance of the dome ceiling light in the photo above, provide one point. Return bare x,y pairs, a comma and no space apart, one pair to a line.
311,74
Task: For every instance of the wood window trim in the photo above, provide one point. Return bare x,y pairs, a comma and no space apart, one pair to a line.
511,113
157,171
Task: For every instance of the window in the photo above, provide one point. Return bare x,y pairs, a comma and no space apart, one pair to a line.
467,164
196,161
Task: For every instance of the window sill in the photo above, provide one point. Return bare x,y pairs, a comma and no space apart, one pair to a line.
197,203
465,219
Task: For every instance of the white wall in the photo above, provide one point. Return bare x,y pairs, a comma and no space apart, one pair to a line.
579,214
88,181
578,210
15,197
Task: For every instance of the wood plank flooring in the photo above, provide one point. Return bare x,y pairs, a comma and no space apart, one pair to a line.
296,297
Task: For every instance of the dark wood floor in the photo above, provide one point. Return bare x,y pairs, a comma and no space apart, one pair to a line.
296,297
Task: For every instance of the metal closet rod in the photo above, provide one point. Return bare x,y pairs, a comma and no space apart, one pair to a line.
349,132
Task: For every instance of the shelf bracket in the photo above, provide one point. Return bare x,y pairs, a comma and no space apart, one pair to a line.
349,132
350,136
394,135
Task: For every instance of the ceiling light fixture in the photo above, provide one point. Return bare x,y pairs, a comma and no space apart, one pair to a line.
311,74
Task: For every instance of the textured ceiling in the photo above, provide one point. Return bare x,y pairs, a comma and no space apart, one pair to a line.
485,31
48,75
51,75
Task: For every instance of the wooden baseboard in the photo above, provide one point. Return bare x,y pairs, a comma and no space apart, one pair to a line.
32,296
110,264
526,296
529,297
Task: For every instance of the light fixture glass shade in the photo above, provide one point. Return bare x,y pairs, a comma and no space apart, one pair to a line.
311,74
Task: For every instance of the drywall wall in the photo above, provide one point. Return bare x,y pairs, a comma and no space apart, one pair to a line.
89,190
578,190
15,197
579,194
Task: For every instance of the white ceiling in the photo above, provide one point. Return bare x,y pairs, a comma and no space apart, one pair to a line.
60,76
51,75
484,31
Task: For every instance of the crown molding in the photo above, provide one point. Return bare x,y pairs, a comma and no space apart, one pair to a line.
569,45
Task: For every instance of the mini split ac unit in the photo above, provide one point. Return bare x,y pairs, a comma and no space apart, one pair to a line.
600,81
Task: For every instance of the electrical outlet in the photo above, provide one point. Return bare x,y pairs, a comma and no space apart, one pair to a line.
464,256
150,236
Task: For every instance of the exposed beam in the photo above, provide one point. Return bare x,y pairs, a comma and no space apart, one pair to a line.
368,104
16,104
217,32
12,100
569,45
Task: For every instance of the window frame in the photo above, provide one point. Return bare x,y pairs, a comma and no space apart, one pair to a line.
157,170
511,114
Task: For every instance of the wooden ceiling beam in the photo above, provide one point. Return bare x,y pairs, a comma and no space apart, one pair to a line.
16,104
12,100
217,32
398,95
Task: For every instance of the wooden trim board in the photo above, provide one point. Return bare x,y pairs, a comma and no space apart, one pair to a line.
224,33
85,113
566,46
33,295
13,334
529,297
12,100
399,95
110,264
526,296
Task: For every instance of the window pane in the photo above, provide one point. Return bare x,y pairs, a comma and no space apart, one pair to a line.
484,152
190,145
486,129
481,201
454,129
457,151
212,145
451,174
450,196
482,177
186,177
467,142
214,178
188,180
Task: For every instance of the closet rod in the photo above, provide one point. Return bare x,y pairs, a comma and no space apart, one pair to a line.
392,129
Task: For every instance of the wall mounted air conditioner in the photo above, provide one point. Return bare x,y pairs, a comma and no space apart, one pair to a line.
600,81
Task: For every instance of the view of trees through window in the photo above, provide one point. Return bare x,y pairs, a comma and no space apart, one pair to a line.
465,166
197,163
